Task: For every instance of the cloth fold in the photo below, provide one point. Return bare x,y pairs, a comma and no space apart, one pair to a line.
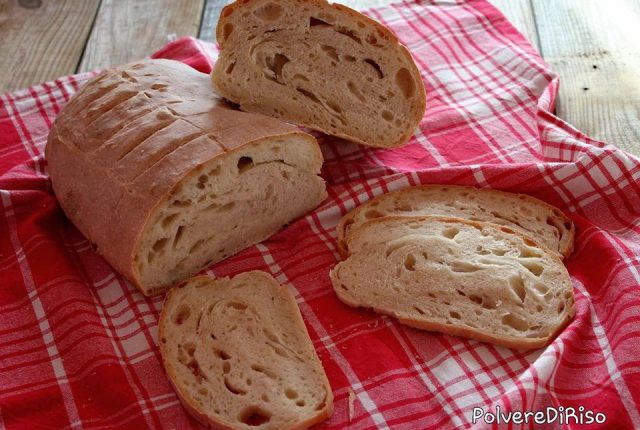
79,345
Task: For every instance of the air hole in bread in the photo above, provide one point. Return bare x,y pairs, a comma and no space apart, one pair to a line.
410,262
481,251
237,306
291,393
372,40
353,89
463,267
560,307
450,232
275,64
387,115
244,163
182,314
160,244
488,303
372,213
404,81
535,268
499,252
233,389
181,203
375,66
420,311
475,299
268,12
222,355
349,33
315,22
516,283
301,403
526,252
349,58
178,236
227,30
330,51
230,67
515,322
194,368
308,94
454,314
263,370
226,367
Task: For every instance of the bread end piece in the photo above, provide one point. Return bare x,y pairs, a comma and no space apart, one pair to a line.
321,65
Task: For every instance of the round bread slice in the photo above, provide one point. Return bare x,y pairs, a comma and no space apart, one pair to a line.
320,65
239,356
166,178
463,278
525,214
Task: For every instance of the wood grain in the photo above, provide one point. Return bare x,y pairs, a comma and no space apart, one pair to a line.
594,47
520,14
126,30
42,41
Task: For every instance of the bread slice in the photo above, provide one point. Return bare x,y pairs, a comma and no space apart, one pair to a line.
320,65
166,178
239,356
463,278
522,213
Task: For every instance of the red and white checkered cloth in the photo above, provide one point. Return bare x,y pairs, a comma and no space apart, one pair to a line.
78,346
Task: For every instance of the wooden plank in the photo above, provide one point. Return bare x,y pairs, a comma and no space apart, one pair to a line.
520,14
210,18
127,30
42,40
593,45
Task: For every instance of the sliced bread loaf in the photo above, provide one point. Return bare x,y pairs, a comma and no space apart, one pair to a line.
463,278
522,213
320,65
166,178
239,356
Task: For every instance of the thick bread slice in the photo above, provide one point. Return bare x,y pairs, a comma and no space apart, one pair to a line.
165,178
463,278
320,65
239,356
525,214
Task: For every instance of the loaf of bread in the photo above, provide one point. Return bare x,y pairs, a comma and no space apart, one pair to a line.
165,178
522,213
320,65
239,356
462,278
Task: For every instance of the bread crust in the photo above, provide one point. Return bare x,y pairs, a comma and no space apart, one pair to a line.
466,332
93,180
385,32
211,421
566,246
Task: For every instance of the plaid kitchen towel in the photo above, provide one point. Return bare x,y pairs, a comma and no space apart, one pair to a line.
78,345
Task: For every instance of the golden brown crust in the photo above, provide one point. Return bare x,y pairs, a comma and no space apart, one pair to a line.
129,137
342,227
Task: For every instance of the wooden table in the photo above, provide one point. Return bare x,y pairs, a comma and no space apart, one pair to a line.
593,45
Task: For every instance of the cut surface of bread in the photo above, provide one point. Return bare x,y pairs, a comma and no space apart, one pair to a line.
320,65
166,178
463,278
239,356
544,223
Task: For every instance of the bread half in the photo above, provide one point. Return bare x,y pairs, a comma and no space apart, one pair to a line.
239,356
477,280
525,214
320,65
166,178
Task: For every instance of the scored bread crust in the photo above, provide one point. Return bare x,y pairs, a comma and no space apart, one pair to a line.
132,135
359,241
211,292
442,196
356,20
